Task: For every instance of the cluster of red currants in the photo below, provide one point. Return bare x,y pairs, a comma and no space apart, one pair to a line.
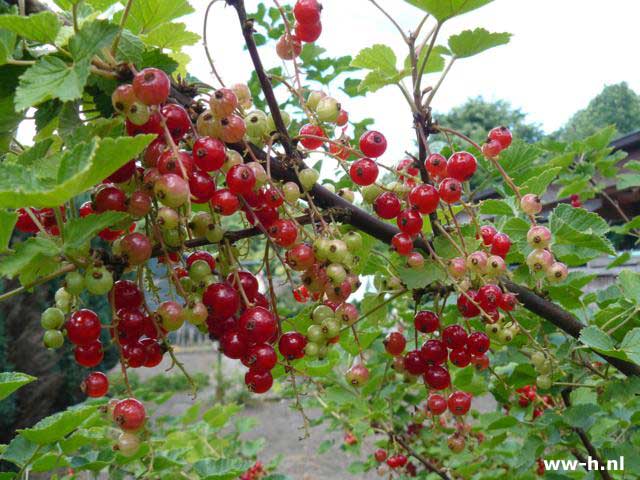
307,29
27,223
529,395
255,472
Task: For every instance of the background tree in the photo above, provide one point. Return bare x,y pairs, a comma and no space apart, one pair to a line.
477,116
616,105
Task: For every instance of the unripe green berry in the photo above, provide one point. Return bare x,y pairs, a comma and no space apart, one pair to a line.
308,178
53,339
74,283
52,319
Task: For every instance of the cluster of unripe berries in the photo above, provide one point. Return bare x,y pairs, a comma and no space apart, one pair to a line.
541,260
308,28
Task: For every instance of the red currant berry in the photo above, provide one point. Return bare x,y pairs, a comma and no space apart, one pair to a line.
260,358
433,352
223,102
153,125
89,355
467,304
488,297
502,135
248,282
410,221
459,403
123,174
364,171
491,149
300,257
402,243
487,232
450,190
202,187
152,350
291,345
373,144
110,198
222,300
129,414
454,336
501,245
508,301
153,152
258,325
307,11
461,166
224,202
436,404
380,455
284,233
136,248
233,344
395,343
357,375
83,327
308,32
95,385
460,357
436,166
437,377
426,321
258,382
202,255
425,198
241,179
288,47
139,204
387,205
177,121
414,363
311,130
478,343
209,154
126,294
151,86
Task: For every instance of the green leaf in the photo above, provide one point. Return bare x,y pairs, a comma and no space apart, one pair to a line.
595,338
7,45
582,415
445,9
172,36
435,63
130,48
223,469
539,184
27,256
504,422
630,345
579,228
56,427
146,15
496,207
19,451
629,282
620,260
79,231
472,42
7,223
67,174
628,180
41,27
430,273
218,415
377,57
11,381
51,77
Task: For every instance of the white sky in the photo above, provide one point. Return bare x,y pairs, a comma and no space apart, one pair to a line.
560,56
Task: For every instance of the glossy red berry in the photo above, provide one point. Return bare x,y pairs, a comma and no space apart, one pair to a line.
460,357
110,198
177,121
410,222
487,232
260,358
437,377
258,325
300,257
129,414
202,255
488,297
233,344
508,301
151,86
284,233
152,350
201,186
459,403
95,385
307,11
257,381
454,336
395,343
491,149
83,327
414,363
402,243
478,343
380,455
224,202
426,321
461,166
153,125
308,32
425,198
168,162
436,166
502,135
222,300
248,282
123,174
291,345
387,205
209,154
364,171
241,179
373,144
312,130
126,294
501,245
436,404
450,190
136,248
89,355
433,352
223,102
467,304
